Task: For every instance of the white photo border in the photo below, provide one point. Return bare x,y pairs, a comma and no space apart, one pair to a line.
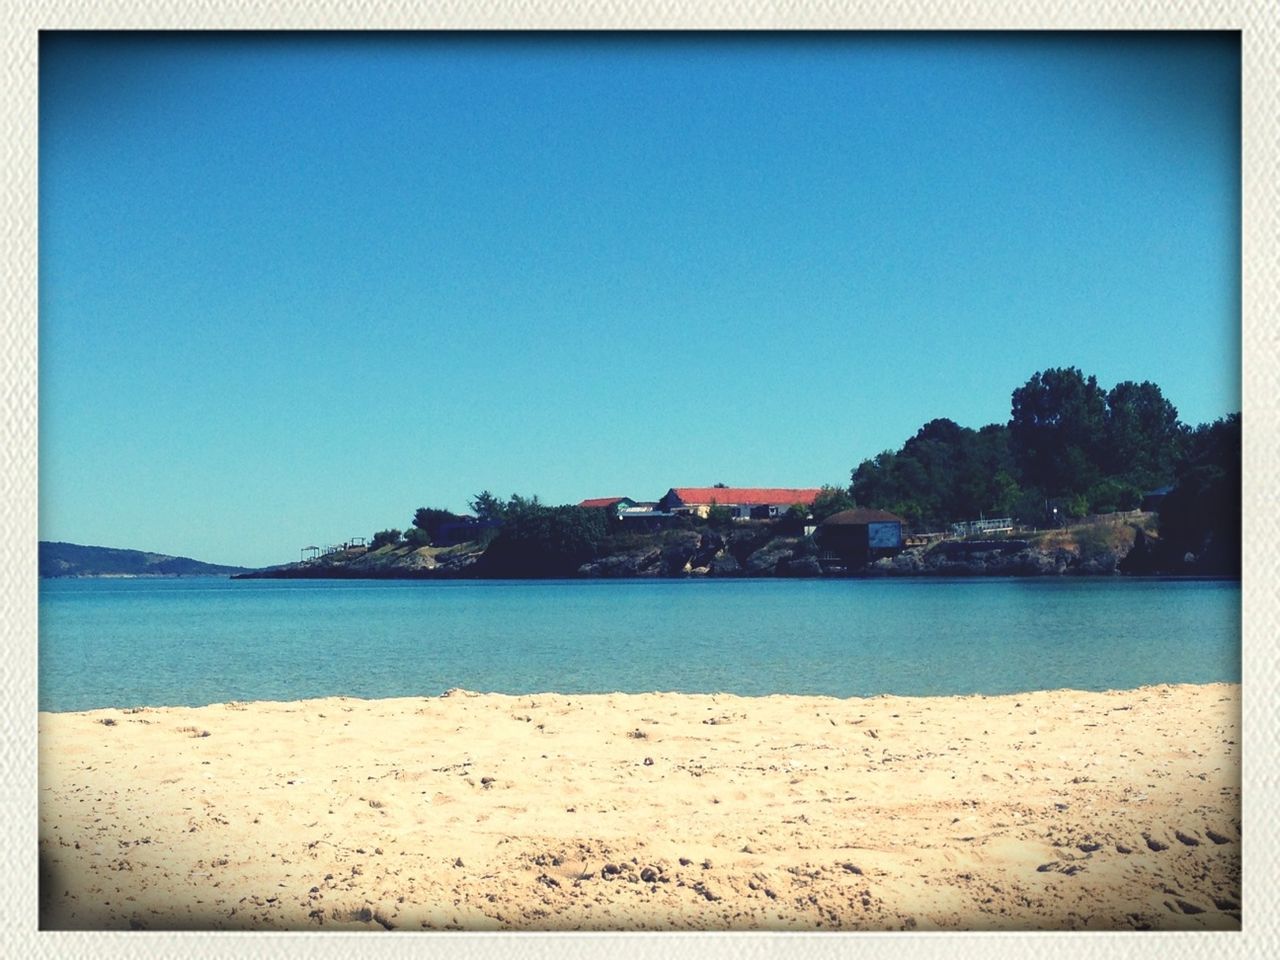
22,21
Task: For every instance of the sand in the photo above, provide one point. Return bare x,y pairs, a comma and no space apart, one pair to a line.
1048,810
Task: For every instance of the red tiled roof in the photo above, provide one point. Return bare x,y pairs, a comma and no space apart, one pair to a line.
603,502
780,496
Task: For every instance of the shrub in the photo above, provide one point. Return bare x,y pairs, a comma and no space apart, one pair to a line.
417,537
719,518
538,541
384,538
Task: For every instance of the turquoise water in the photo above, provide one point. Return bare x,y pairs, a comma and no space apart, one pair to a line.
203,640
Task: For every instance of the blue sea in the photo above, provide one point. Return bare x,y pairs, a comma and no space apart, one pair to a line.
193,641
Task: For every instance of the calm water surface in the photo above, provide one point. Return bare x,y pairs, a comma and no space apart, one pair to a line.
203,640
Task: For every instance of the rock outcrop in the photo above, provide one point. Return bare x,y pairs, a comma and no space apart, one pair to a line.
636,563
753,550
997,558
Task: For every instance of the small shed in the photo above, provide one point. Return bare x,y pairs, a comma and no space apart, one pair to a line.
860,535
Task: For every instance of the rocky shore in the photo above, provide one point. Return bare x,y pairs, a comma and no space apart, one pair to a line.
995,558
1098,549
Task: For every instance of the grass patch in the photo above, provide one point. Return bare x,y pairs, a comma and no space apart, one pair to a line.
1088,540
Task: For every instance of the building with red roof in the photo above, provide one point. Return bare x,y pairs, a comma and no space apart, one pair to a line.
754,502
601,503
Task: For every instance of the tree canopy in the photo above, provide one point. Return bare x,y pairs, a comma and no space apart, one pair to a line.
384,538
1068,448
830,500
1067,444
541,541
945,472
487,507
1058,431
430,521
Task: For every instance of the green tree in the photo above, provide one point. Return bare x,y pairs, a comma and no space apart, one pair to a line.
541,541
430,520
1057,431
1202,514
944,473
719,517
1143,437
1111,494
831,500
417,537
487,507
898,483
384,538
985,472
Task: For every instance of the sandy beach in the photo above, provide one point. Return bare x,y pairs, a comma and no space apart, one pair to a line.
1047,810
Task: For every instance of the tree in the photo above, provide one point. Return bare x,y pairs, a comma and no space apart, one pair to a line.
1143,436
797,511
984,483
1057,431
384,538
899,483
417,537
1111,494
487,507
944,473
719,517
541,541
430,520
1202,514
831,500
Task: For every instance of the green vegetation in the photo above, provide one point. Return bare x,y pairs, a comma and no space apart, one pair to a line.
428,523
830,500
1069,449
541,541
944,473
488,507
384,538
58,559
1095,539
719,518
1202,514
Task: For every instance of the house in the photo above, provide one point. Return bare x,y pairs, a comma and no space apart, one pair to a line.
615,504
858,536
639,508
757,503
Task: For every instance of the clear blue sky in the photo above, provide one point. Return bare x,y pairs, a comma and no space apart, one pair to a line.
293,287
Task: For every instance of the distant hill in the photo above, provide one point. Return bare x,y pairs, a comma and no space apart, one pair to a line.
74,560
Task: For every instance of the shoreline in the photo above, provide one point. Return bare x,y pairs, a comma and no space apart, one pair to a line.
1040,810
877,576
131,708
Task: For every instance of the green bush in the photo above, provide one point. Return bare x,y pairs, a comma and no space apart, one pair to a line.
417,537
540,541
384,538
719,518
1112,495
